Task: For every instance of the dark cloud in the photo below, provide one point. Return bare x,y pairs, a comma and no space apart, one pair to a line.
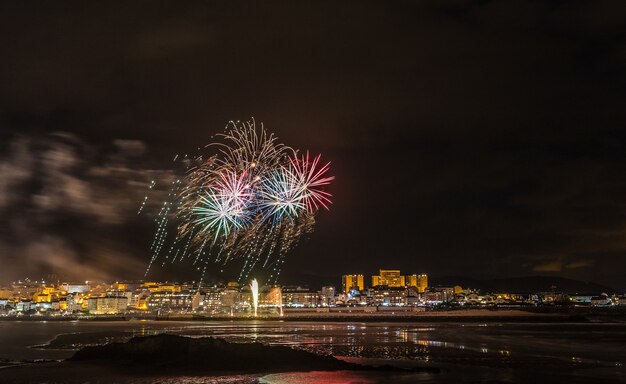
476,137
64,203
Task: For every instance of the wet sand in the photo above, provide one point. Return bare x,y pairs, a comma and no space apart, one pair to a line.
466,351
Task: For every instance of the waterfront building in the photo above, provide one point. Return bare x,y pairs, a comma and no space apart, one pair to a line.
24,305
383,295
601,301
230,296
412,296
271,297
298,296
327,296
552,297
434,297
107,305
197,301
42,306
390,278
170,301
212,299
352,281
581,300
440,294
139,299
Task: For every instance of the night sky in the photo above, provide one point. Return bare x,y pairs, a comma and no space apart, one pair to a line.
475,138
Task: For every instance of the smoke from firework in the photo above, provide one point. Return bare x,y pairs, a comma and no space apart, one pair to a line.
252,199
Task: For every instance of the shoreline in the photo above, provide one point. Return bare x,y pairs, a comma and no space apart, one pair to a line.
443,346
170,356
472,315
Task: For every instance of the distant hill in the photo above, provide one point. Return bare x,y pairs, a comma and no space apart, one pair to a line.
312,281
523,284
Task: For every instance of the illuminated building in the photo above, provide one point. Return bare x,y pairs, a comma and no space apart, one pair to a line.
439,295
351,281
418,281
107,305
42,297
422,282
150,286
388,277
434,297
24,305
5,293
170,301
63,304
55,305
169,287
327,296
26,288
125,286
601,301
230,295
212,298
197,301
75,288
273,297
413,297
139,300
296,296
382,295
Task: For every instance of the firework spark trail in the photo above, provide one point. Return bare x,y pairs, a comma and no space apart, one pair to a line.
252,199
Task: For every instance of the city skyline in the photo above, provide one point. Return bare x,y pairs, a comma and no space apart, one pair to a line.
390,294
302,192
467,138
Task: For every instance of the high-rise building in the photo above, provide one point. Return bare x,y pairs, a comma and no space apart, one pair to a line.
418,281
351,281
422,282
388,277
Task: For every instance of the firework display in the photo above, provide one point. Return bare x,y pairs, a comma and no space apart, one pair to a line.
251,199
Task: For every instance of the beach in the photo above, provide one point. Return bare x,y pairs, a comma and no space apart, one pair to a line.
490,350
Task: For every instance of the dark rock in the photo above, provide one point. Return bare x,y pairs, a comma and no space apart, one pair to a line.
196,355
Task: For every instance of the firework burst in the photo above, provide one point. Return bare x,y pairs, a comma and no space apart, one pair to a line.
252,199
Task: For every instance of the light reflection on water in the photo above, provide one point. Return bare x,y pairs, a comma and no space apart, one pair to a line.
559,347
340,377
